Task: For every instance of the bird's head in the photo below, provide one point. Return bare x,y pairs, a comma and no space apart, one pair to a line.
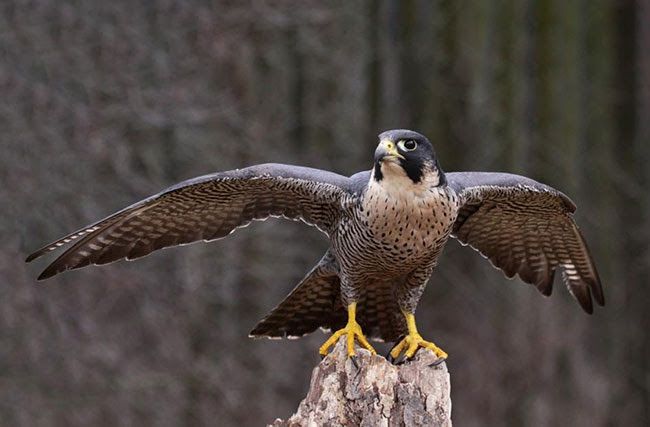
406,154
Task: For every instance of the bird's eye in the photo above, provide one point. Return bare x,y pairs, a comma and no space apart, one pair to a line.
408,145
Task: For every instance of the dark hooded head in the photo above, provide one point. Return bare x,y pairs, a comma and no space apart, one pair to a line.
407,152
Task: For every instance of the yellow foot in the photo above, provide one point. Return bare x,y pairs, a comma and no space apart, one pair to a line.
410,344
352,330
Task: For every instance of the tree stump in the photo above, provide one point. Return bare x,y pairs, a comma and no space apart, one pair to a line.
374,392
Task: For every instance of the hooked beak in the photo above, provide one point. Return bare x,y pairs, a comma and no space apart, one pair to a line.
386,150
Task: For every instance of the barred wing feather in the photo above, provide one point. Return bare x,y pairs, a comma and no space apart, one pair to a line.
204,208
525,228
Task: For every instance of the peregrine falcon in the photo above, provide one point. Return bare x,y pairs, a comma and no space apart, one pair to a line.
386,228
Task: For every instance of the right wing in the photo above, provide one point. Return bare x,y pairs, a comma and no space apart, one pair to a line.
525,228
205,208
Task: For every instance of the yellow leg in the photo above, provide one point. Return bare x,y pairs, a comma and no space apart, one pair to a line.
352,330
410,343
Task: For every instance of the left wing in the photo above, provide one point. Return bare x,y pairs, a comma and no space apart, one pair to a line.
524,227
204,208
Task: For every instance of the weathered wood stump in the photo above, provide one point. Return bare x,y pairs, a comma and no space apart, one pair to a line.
376,393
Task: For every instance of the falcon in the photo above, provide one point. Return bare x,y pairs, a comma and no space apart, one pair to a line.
386,229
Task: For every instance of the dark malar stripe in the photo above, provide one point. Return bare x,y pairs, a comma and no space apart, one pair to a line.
378,175
414,169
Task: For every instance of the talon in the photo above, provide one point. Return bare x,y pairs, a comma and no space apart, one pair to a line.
352,330
410,344
395,360
353,359
436,350
437,362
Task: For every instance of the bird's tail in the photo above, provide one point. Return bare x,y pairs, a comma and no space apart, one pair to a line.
314,303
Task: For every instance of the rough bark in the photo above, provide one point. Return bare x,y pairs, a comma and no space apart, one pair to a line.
374,392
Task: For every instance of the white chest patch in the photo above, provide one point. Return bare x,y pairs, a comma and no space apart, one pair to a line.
406,217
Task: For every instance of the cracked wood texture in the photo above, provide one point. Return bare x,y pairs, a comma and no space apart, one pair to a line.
376,393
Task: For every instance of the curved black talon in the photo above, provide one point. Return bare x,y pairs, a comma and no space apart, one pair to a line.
389,356
405,358
401,360
353,359
437,362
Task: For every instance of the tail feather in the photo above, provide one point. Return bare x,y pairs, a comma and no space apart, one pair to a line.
314,303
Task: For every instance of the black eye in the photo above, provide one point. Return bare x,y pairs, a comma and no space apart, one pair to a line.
408,145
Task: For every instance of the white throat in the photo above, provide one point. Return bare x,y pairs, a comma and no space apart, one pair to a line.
395,183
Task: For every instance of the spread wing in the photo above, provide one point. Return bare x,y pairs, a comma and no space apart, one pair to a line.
525,228
205,208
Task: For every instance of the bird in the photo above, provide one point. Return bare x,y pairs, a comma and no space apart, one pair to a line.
386,228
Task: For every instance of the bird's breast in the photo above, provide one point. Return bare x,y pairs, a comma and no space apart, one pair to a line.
406,225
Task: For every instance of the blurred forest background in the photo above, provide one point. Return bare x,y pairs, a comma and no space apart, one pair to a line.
105,102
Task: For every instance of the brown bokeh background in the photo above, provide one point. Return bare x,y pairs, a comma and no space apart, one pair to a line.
103,103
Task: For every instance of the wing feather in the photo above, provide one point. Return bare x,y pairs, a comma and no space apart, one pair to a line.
204,208
525,228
